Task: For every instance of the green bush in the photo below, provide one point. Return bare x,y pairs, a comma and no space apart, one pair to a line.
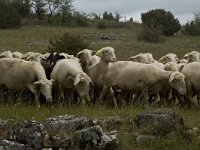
68,43
193,27
9,18
160,17
151,34
101,25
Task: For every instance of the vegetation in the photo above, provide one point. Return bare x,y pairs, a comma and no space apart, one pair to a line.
151,34
192,27
161,18
68,43
9,18
126,44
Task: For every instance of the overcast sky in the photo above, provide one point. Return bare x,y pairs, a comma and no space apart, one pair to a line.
182,9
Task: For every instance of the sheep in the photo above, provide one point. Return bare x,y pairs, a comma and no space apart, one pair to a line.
136,77
171,66
169,58
193,56
50,63
17,74
192,79
70,76
6,54
146,58
17,55
85,59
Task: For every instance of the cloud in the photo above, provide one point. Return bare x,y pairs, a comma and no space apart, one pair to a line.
182,9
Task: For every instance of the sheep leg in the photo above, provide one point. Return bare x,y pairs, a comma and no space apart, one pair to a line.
103,93
61,95
113,97
145,95
36,95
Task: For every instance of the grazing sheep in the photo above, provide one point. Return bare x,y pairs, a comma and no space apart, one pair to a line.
17,55
193,56
70,77
18,74
132,76
146,58
169,58
85,59
192,80
171,66
6,54
51,62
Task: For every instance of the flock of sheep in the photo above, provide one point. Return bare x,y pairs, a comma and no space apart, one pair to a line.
93,77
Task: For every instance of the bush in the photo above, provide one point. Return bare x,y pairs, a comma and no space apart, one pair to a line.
151,34
101,25
68,43
160,17
192,28
9,18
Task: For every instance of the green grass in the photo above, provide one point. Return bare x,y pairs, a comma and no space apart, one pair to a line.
126,45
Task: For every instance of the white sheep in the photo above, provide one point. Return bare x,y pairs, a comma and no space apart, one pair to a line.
136,77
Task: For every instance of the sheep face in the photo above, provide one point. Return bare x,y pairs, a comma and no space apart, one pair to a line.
45,87
82,84
107,54
85,56
170,66
193,58
177,82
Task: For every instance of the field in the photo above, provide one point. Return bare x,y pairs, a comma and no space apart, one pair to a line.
126,44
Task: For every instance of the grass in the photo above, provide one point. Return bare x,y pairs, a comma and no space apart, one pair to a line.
126,44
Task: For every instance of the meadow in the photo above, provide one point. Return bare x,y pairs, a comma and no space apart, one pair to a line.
125,42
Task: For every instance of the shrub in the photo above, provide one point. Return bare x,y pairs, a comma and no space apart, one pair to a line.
193,27
9,18
160,17
101,25
151,34
68,43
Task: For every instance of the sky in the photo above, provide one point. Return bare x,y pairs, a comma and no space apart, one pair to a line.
182,9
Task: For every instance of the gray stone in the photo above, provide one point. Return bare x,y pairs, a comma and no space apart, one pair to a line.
58,142
113,121
139,138
11,145
65,123
94,138
161,122
2,125
30,133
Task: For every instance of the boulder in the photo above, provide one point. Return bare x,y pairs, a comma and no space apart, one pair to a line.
161,121
11,145
139,138
30,133
58,142
110,122
94,138
65,123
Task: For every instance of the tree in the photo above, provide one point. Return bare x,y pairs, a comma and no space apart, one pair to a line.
161,18
23,7
193,27
39,7
9,18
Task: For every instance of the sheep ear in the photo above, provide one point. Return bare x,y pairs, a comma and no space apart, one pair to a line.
37,84
98,53
79,54
172,77
77,79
